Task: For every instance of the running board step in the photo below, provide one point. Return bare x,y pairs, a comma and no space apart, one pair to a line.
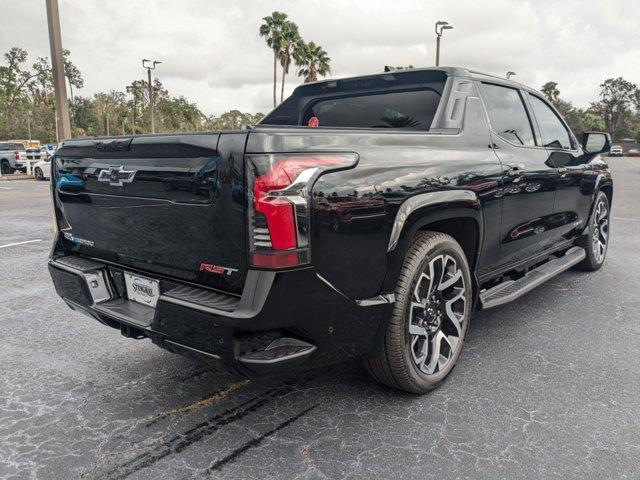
283,352
508,291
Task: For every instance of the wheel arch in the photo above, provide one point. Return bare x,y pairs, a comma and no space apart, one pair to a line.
457,213
607,188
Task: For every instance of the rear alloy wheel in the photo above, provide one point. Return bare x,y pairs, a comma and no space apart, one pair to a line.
437,310
38,174
430,316
598,238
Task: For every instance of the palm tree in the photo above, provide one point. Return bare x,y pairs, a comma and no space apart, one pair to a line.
312,61
550,90
289,41
271,31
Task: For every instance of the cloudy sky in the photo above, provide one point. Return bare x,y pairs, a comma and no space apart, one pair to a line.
213,55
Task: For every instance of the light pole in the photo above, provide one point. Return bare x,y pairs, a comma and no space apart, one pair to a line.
440,26
29,114
510,74
57,69
150,65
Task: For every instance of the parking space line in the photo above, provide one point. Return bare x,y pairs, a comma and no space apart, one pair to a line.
624,219
20,243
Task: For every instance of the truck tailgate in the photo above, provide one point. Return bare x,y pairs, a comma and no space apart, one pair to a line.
170,205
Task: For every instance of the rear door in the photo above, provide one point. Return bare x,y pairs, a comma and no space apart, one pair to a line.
529,184
166,205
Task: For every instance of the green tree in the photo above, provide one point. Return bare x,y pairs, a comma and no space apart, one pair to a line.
109,107
616,97
550,90
271,31
85,117
71,73
14,81
233,120
139,103
137,89
312,61
592,120
179,115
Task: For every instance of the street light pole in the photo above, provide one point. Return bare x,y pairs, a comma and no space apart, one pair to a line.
29,124
440,26
63,124
150,65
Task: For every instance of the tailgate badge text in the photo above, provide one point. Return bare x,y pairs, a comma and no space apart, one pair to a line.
207,267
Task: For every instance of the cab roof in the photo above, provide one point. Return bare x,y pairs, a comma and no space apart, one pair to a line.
428,75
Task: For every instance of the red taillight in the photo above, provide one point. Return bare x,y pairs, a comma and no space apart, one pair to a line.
279,207
275,259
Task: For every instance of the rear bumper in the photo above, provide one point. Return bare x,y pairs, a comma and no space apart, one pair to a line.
281,322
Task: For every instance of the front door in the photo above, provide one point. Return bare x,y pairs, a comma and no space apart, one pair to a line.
573,195
529,183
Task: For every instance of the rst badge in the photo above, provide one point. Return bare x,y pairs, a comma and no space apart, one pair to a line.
207,267
116,176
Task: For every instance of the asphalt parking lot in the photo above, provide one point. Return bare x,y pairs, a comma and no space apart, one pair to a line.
546,387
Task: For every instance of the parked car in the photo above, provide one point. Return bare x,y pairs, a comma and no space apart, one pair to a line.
477,187
46,151
616,151
42,169
634,152
13,156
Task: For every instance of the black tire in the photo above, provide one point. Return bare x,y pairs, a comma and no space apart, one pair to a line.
38,174
393,362
598,232
5,168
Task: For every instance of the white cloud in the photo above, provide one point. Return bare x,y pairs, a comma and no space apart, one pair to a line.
212,54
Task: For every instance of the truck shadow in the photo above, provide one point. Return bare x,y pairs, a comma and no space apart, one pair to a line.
199,412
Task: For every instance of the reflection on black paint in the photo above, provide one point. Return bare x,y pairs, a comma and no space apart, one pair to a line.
541,225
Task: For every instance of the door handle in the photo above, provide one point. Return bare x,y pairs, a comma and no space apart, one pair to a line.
562,170
515,169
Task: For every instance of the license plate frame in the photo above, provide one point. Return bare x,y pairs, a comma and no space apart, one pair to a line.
141,289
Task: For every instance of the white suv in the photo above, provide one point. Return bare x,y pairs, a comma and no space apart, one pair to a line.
616,151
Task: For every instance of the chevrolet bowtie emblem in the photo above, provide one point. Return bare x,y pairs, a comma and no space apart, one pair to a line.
116,176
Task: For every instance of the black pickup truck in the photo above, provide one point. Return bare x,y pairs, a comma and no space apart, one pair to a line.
363,217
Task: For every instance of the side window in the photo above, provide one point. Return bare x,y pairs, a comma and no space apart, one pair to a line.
507,114
554,134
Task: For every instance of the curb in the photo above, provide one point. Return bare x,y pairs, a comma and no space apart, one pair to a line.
12,176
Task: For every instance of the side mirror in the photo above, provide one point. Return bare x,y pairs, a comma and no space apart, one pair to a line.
596,142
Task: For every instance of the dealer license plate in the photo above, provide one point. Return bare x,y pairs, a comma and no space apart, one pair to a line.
142,289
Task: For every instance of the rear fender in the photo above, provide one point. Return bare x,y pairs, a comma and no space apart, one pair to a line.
418,212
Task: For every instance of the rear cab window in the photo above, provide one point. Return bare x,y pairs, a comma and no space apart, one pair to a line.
411,109
407,101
